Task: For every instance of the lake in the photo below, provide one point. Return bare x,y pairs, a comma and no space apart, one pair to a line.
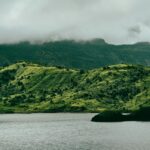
67,131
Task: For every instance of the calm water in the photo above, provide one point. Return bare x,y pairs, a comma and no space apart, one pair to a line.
70,132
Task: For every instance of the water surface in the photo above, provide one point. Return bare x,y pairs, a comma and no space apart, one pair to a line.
65,131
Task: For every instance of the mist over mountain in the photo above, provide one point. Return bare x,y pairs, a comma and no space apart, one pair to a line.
125,21
75,54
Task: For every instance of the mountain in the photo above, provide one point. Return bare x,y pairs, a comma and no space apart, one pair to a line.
27,87
75,54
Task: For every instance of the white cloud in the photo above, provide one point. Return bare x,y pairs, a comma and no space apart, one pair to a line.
117,21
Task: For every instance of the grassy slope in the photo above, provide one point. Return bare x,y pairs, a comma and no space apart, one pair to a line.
85,55
28,87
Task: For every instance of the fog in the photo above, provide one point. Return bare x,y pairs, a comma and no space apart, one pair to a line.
116,21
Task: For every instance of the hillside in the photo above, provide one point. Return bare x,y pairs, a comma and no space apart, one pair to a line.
27,87
72,54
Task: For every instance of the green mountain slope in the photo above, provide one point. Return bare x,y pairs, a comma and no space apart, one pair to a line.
26,87
84,54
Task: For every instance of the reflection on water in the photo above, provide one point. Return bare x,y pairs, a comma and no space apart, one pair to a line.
70,132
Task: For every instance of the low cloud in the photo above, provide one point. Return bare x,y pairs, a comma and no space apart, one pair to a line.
117,21
134,31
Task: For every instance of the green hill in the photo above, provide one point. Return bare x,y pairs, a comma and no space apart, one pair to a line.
72,54
27,87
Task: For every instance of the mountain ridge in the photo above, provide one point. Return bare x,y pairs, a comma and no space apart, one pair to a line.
75,54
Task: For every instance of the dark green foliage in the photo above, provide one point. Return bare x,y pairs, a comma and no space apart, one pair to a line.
72,54
142,114
6,76
108,116
26,87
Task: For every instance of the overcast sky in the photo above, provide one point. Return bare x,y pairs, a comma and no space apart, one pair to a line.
116,21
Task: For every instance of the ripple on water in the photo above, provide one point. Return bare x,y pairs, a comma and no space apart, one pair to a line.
66,131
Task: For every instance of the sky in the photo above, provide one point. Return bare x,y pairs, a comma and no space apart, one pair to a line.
116,21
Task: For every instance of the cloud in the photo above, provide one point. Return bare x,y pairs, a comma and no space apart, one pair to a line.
117,21
134,31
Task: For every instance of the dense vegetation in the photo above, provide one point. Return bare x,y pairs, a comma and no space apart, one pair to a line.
72,54
27,87
141,114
